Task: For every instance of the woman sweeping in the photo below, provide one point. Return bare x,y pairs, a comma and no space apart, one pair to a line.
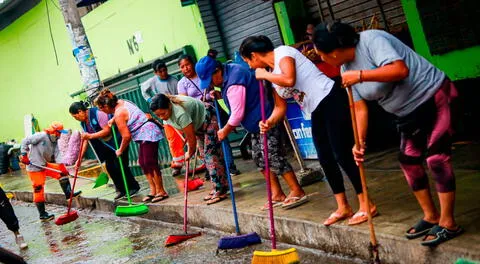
380,67
95,126
295,76
240,93
134,125
198,122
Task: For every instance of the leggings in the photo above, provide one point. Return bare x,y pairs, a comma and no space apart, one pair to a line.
436,142
7,214
333,138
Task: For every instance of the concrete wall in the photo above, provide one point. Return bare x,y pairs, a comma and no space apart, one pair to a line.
458,65
32,82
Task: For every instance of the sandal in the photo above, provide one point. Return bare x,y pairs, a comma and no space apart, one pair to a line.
274,204
335,217
148,198
159,198
421,228
362,217
217,197
441,235
209,196
293,202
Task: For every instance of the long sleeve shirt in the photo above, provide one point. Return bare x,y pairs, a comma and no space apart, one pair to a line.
154,86
42,150
236,100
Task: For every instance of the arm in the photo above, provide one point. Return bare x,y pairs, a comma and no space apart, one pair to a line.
236,99
392,72
30,140
145,88
191,138
286,78
277,115
121,122
361,113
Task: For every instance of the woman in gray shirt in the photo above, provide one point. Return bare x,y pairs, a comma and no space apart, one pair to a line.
380,67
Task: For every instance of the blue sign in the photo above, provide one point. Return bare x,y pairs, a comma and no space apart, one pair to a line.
302,130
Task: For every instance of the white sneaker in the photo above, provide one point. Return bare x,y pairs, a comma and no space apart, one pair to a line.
21,242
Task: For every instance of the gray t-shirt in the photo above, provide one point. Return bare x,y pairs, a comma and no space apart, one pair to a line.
154,86
377,48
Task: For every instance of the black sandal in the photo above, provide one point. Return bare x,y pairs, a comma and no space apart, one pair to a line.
421,228
148,198
159,198
441,235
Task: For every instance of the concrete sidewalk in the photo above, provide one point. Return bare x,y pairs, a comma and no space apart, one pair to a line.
303,225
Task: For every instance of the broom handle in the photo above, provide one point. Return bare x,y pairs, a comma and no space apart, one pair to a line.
121,166
59,171
96,155
363,179
79,162
229,177
267,169
185,187
288,128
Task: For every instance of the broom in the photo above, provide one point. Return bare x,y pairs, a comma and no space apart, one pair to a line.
275,256
71,215
176,239
130,209
373,240
238,241
102,178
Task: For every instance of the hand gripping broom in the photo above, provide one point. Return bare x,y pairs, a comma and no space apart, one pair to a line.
71,215
130,209
176,239
238,241
275,256
373,240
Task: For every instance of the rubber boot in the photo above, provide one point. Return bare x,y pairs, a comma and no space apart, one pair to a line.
44,216
67,189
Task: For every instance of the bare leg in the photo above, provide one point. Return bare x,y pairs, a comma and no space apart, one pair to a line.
151,183
157,179
277,192
295,188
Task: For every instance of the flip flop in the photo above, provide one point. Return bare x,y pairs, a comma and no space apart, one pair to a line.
441,235
209,196
148,198
296,201
159,198
274,204
217,197
421,228
335,217
362,217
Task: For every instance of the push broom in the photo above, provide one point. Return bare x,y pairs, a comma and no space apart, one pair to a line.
179,238
238,241
373,240
275,256
130,209
71,215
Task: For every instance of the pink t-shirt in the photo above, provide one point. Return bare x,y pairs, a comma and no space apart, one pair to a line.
236,100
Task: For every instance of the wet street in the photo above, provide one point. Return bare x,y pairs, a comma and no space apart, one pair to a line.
103,238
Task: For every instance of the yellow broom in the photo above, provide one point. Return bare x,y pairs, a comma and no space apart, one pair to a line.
275,256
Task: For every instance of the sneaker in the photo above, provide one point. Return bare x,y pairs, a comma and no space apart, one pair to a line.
21,242
120,195
234,171
46,217
134,192
176,171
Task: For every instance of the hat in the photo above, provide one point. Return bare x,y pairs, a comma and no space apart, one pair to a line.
56,127
205,68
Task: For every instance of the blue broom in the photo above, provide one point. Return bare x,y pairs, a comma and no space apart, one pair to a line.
238,241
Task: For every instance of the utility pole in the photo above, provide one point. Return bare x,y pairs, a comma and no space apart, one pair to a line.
81,48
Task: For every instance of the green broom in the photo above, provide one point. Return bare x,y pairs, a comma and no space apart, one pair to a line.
130,209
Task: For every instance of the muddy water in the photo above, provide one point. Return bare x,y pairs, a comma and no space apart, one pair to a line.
103,238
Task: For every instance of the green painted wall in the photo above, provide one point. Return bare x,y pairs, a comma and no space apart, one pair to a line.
32,82
459,64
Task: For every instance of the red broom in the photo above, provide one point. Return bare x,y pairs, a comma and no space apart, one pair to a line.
176,239
71,215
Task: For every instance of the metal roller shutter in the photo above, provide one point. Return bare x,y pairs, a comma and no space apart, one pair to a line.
238,19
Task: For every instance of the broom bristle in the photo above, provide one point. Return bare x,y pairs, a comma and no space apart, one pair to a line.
240,241
288,256
67,218
176,239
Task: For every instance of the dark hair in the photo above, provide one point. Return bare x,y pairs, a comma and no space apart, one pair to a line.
212,53
255,44
328,37
158,64
185,57
106,98
78,106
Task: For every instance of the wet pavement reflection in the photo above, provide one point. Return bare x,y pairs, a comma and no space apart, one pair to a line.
97,237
